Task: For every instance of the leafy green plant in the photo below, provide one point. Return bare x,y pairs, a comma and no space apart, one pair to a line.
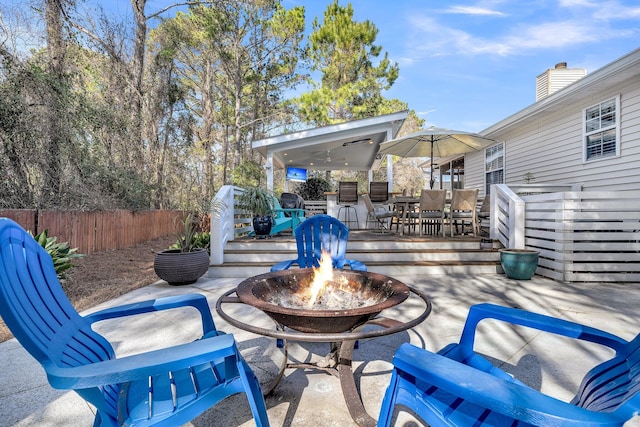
257,201
189,236
199,240
60,253
202,240
314,189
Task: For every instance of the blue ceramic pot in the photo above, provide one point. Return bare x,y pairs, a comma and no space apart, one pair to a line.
262,225
519,264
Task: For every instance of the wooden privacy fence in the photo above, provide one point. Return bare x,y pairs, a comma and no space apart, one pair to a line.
98,231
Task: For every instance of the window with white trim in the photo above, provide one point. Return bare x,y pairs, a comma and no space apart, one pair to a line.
601,130
493,166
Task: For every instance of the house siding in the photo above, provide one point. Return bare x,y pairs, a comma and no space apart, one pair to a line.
474,171
549,145
555,79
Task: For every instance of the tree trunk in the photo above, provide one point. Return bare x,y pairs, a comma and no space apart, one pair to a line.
54,99
137,94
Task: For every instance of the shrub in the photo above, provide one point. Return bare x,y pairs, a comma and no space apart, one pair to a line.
199,240
314,189
60,253
190,235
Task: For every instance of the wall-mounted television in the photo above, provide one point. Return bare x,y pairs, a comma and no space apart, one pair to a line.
296,174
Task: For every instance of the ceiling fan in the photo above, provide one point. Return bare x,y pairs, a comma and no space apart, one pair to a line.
325,156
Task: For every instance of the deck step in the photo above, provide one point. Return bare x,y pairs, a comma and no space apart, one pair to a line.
390,255
385,255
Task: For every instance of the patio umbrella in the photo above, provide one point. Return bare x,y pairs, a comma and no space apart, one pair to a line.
434,142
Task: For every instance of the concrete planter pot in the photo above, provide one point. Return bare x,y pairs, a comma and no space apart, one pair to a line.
519,264
181,268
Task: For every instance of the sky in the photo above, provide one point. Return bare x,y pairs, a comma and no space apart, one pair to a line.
467,65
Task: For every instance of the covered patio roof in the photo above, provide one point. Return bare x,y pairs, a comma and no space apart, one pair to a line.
346,146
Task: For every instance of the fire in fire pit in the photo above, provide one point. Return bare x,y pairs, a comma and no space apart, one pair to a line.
342,301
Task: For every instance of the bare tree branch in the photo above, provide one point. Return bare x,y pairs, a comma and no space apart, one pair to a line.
186,3
98,40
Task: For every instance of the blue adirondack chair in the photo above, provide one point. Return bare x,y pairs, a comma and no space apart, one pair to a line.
168,386
458,387
315,234
283,219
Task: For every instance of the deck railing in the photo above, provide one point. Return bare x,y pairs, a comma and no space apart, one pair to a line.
226,224
581,236
507,219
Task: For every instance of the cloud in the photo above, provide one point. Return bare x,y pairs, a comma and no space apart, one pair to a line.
617,11
439,39
608,10
473,10
577,3
554,35
404,60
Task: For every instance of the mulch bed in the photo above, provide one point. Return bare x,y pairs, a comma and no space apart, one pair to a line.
102,276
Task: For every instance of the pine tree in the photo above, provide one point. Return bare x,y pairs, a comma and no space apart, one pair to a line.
344,51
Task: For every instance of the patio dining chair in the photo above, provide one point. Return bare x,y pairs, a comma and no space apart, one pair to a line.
464,205
168,386
431,211
458,387
318,233
380,215
484,215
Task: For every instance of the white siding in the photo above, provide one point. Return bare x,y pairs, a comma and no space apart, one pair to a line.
474,171
549,145
542,86
555,79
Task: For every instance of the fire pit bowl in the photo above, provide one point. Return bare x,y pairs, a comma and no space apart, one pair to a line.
351,299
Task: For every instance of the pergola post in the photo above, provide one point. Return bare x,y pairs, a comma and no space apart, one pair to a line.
390,172
269,168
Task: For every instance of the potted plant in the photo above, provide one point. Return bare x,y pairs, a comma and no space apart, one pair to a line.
519,264
187,260
258,202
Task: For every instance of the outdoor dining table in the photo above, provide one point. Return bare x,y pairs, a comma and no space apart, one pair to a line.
338,362
404,205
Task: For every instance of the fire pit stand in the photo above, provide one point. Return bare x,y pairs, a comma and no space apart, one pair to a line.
338,362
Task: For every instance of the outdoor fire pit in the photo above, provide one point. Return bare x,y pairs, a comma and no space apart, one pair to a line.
348,299
326,306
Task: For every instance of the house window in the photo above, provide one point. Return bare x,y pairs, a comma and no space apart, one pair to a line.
494,166
601,130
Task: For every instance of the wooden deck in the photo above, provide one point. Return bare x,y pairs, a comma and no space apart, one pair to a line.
385,253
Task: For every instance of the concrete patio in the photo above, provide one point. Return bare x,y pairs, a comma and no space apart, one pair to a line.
314,398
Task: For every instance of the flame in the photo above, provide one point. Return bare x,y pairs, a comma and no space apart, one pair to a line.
321,277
